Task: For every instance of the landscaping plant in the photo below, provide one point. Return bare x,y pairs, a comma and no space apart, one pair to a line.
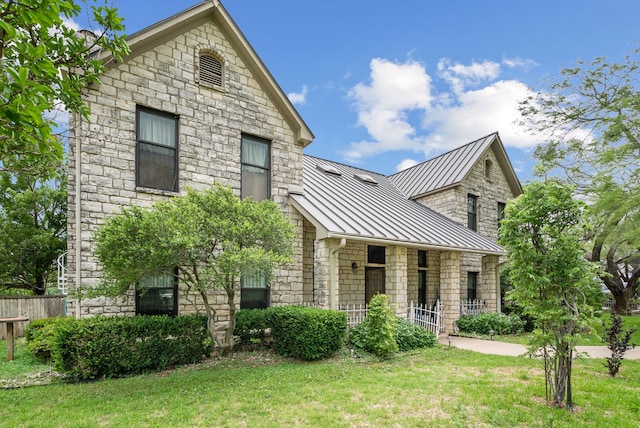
618,342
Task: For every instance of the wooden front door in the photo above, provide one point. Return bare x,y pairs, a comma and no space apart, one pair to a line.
373,282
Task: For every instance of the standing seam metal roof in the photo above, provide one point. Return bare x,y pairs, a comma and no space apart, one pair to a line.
347,207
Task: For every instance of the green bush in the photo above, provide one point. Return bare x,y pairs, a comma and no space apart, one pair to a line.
485,323
410,336
306,333
380,327
251,324
39,335
117,346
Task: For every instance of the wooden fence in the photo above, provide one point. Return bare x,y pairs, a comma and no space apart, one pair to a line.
32,307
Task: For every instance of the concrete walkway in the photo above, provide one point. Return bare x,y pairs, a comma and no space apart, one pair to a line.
513,349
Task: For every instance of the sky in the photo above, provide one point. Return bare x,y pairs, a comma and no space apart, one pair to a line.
386,85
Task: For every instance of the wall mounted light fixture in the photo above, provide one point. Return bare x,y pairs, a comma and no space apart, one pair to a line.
354,267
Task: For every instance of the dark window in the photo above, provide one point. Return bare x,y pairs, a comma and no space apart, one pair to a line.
158,295
472,212
488,169
422,259
472,285
373,282
255,168
376,254
501,207
156,149
254,292
422,287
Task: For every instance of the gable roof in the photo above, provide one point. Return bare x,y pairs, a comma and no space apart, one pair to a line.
344,202
212,10
451,168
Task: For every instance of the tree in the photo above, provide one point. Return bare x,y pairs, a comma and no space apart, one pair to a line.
553,282
211,237
33,229
592,120
45,66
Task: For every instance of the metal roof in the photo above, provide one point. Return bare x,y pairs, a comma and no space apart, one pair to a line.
450,168
346,206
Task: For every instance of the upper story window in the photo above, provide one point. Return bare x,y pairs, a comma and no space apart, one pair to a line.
472,212
376,254
210,70
501,207
488,169
256,164
156,149
158,295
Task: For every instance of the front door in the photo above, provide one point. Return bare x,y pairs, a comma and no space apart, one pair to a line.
373,282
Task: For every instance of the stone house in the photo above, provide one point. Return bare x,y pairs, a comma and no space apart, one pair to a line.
193,105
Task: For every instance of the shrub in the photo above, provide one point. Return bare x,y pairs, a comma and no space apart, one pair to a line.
306,333
618,342
251,324
39,335
410,336
484,323
379,328
116,346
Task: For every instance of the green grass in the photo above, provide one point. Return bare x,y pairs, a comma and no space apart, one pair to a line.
443,387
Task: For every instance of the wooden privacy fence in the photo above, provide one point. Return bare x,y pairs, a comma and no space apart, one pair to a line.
32,307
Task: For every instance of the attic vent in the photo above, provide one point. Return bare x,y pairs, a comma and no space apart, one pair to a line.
366,178
329,169
210,69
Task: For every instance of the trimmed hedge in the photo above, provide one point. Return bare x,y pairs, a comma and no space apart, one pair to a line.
251,324
484,323
117,346
306,333
39,335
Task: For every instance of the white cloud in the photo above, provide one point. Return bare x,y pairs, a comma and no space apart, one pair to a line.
299,98
70,23
401,110
405,164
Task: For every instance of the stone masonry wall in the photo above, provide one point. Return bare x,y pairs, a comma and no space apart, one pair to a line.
210,126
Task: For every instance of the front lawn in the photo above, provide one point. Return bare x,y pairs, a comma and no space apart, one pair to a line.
442,386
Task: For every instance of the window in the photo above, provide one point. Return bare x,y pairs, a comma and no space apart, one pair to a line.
501,207
376,254
422,277
156,149
210,70
158,295
254,292
255,168
472,209
472,285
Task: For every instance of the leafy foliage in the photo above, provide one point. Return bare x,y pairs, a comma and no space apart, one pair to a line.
45,66
618,342
306,333
251,324
552,280
377,333
410,336
486,323
39,335
591,117
117,346
212,237
33,229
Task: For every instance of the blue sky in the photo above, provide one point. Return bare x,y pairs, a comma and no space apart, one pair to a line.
384,85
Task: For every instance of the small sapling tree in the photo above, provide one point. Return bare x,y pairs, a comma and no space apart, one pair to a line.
552,280
618,343
211,237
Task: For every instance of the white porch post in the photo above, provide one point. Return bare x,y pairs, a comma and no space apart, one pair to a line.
327,272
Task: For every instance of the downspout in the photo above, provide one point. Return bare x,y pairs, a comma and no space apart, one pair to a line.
78,211
334,266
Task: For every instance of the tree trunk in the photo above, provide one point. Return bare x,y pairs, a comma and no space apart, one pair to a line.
228,336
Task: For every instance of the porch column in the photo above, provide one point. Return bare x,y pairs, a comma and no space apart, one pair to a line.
396,280
490,283
326,272
450,288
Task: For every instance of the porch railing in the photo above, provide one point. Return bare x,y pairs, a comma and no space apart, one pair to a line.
355,314
427,317
472,307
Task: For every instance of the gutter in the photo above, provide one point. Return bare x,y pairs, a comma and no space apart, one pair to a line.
78,212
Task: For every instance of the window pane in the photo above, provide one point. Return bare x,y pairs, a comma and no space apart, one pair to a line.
254,298
422,258
255,183
376,254
156,295
255,152
154,128
157,167
472,285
